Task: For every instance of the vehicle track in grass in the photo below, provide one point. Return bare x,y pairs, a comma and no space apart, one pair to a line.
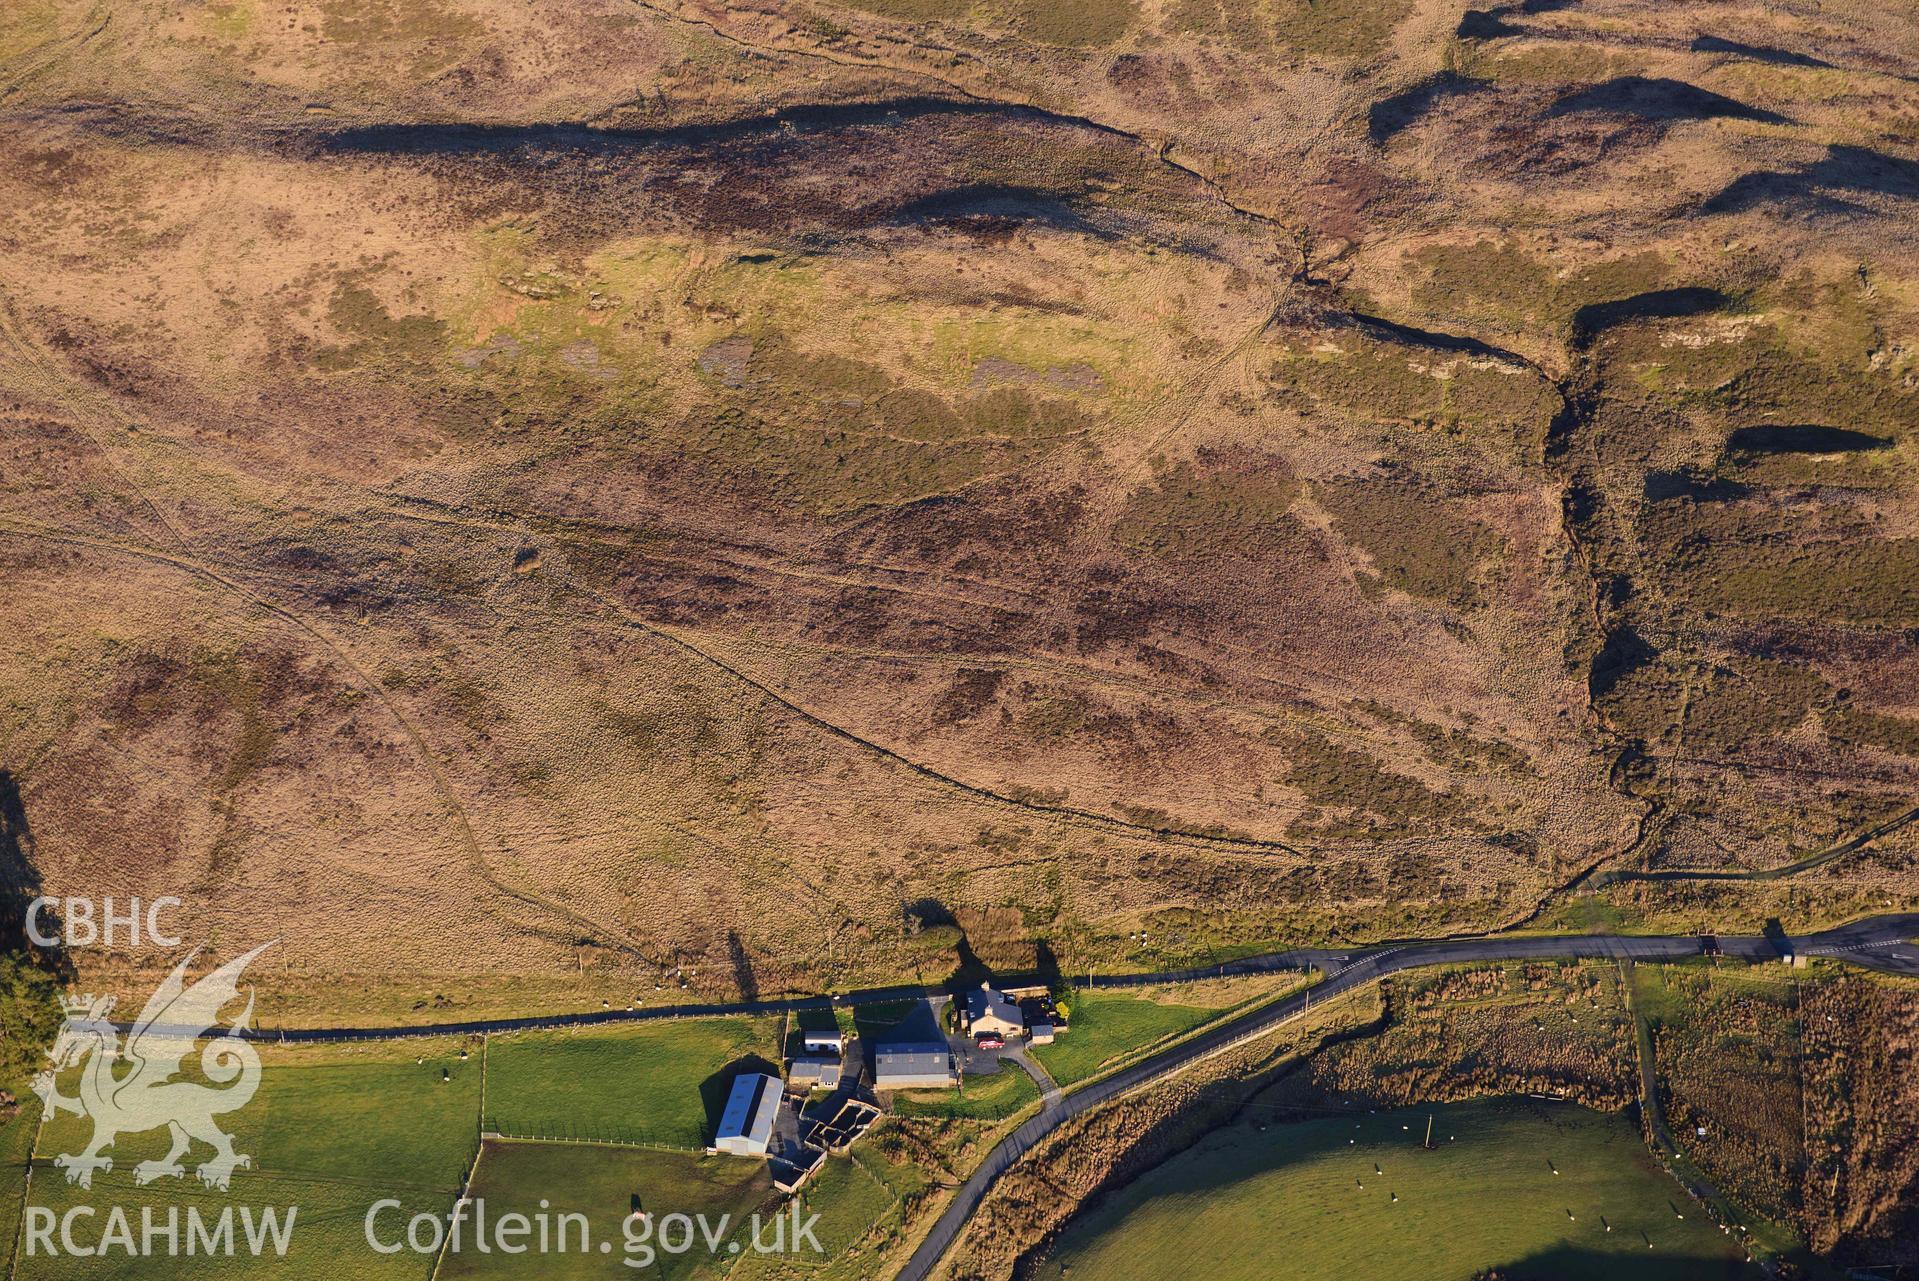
442,786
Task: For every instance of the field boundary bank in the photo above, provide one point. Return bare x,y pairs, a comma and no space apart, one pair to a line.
1664,1145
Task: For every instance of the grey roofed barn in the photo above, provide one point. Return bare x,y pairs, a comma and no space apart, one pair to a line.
909,1066
746,1127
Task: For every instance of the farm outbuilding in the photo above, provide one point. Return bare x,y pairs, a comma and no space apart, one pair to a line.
817,1042
914,1067
1043,1021
814,1073
746,1127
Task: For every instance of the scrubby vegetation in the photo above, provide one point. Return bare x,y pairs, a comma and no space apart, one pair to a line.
1416,544
30,1015
1729,1048
1218,504
1559,1031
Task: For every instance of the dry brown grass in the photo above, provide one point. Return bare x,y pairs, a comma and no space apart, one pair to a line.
540,560
1461,1034
1861,1120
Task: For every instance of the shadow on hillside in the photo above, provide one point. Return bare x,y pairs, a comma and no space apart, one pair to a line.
1624,653
1811,188
970,970
744,976
997,201
19,879
1385,330
1048,972
1664,486
1660,304
1566,1261
1758,53
1491,24
20,883
1803,439
1390,115
477,139
1660,100
819,167
1486,24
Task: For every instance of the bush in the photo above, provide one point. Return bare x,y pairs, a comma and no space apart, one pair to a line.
29,1016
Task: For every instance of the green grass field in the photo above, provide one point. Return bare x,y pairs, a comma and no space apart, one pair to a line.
379,1112
12,1186
1108,1028
983,1098
850,1202
1315,1199
331,1130
858,1212
661,1083
16,1146
328,1238
602,1184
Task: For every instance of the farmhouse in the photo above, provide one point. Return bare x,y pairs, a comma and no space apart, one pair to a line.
993,1012
746,1127
914,1066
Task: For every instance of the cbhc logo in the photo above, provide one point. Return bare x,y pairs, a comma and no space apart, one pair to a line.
81,922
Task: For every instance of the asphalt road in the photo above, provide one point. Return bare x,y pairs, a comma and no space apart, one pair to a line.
1880,943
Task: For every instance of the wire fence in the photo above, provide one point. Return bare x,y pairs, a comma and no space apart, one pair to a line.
492,1130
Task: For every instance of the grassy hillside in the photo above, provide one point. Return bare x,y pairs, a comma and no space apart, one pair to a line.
570,506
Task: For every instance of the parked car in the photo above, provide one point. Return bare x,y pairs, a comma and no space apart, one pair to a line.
990,1041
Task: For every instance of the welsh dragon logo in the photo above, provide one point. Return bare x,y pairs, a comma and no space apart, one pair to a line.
134,1086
